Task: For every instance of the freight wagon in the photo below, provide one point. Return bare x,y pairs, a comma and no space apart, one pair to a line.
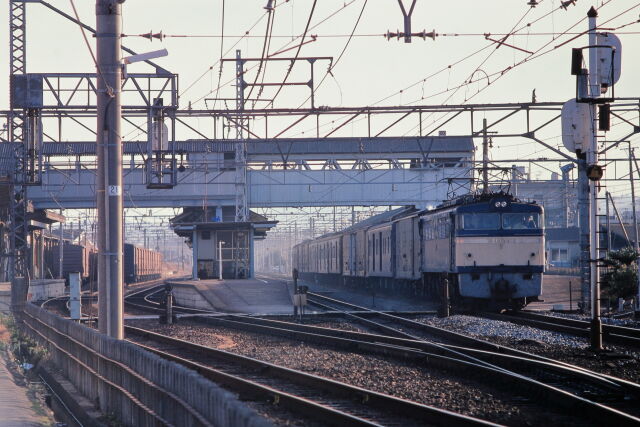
141,264
76,258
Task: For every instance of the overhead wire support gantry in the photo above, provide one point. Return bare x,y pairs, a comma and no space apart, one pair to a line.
24,131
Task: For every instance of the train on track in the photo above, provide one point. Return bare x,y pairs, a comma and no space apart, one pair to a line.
489,248
140,264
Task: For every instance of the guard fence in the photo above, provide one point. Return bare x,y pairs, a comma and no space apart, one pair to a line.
135,386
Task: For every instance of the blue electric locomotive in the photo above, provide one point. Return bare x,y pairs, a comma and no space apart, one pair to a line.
490,248
496,249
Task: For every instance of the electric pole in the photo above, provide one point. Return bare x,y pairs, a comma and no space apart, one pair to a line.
635,226
485,158
633,198
592,160
109,178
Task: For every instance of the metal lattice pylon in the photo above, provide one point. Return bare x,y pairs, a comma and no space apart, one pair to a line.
17,63
242,208
18,204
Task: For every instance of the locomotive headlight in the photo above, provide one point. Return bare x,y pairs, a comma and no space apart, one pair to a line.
497,204
503,204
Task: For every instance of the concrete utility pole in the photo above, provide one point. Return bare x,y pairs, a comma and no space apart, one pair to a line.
109,179
60,251
608,222
485,158
592,159
635,224
633,197
583,220
220,243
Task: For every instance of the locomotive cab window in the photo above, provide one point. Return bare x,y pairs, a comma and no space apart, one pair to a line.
480,221
520,221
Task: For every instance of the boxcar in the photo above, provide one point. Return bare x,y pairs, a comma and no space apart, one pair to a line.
76,258
141,264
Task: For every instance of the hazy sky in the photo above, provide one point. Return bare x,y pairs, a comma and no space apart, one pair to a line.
372,69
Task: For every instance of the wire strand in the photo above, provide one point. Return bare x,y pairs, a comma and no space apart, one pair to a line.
108,88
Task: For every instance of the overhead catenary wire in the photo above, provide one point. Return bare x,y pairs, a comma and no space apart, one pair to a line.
93,56
211,67
262,65
536,54
482,63
221,49
304,34
232,80
344,49
498,73
422,81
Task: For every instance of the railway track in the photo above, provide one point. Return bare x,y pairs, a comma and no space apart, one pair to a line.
588,385
331,401
559,385
148,300
611,334
144,299
451,359
577,381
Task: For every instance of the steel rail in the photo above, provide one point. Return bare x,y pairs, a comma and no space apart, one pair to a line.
551,396
397,347
311,333
343,393
478,344
433,330
480,351
328,336
612,333
141,300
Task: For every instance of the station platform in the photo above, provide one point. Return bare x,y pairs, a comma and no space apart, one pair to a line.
249,296
372,300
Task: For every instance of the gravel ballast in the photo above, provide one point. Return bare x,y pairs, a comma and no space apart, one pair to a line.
404,380
616,360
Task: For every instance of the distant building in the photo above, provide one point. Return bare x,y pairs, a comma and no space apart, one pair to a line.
558,196
563,246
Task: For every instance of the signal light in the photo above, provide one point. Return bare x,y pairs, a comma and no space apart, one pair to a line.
595,172
576,62
604,117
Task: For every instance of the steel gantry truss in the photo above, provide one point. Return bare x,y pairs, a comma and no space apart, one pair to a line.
17,61
16,126
322,161
242,203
